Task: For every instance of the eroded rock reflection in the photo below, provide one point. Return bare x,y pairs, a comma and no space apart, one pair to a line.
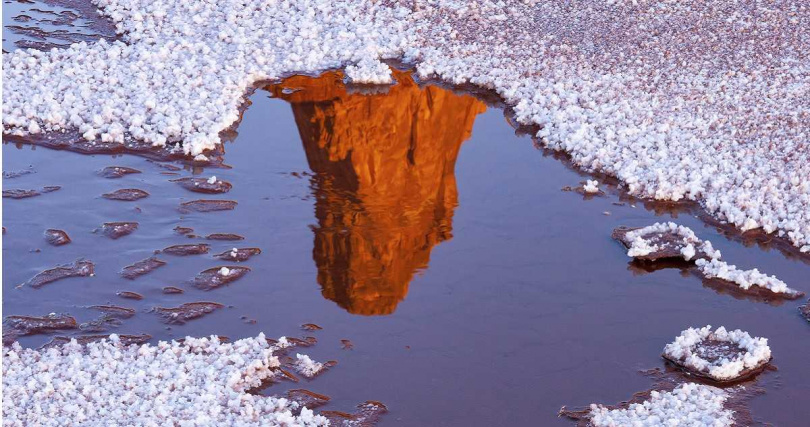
384,181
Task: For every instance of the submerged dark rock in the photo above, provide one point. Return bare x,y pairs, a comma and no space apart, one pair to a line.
87,339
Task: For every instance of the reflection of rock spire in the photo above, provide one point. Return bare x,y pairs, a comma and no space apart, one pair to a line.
385,186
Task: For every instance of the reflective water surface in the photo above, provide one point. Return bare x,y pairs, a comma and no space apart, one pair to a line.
412,223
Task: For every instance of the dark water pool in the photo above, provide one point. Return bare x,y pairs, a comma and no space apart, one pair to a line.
418,225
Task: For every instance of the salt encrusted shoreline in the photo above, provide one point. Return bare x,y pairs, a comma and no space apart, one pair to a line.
693,100
689,351
688,404
200,381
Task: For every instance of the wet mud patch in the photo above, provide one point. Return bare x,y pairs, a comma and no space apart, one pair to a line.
185,312
130,295
52,24
115,230
216,277
238,254
126,195
207,206
79,268
185,250
224,236
113,172
16,193
18,326
142,267
172,290
202,185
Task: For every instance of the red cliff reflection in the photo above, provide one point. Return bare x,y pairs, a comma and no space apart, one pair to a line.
384,181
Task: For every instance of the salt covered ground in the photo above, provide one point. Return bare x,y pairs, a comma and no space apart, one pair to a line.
200,381
696,100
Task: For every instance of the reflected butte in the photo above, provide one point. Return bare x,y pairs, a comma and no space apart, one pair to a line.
384,181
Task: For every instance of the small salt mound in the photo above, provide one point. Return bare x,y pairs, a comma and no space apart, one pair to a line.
200,381
591,186
306,366
720,355
670,240
689,404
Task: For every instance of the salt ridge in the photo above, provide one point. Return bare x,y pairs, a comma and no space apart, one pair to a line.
694,100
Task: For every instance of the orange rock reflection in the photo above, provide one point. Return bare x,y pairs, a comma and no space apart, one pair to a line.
384,181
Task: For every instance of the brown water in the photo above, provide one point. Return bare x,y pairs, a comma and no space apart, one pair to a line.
419,227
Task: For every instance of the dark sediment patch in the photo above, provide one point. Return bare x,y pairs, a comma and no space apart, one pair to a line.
56,237
311,327
17,326
87,339
16,193
141,267
172,290
126,195
215,277
115,230
347,345
224,236
183,250
188,311
79,268
130,295
114,311
203,205
17,174
202,185
111,317
117,171
167,166
367,414
238,255
183,230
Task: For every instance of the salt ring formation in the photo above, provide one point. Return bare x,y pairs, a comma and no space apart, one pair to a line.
676,101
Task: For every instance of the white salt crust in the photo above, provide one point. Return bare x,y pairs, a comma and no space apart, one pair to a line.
306,366
198,382
685,349
689,404
591,186
678,99
711,268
